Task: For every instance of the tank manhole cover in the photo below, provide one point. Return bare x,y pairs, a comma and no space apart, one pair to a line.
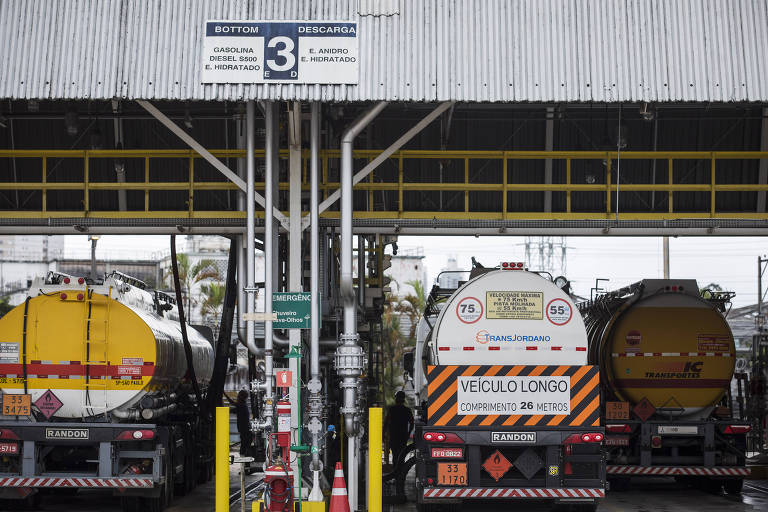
528,463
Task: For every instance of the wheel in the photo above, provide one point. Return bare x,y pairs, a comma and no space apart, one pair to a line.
154,504
618,484
733,485
169,480
130,504
712,485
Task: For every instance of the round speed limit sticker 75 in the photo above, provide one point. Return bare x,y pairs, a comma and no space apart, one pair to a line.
469,310
559,311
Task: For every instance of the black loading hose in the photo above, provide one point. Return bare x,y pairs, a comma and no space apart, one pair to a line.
183,323
221,360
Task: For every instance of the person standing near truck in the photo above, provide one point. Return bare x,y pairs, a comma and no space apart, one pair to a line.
398,425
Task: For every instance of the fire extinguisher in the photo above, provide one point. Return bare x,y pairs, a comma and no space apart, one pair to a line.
284,424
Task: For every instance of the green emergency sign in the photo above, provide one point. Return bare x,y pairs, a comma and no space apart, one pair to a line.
292,310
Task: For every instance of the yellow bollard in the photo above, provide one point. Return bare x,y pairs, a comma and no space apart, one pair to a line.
374,459
222,459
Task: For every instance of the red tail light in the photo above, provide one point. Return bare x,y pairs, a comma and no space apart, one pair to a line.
7,434
618,429
568,468
440,437
592,437
737,429
655,441
588,437
66,280
80,280
136,435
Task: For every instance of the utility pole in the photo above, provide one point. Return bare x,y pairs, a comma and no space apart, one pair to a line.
762,262
93,239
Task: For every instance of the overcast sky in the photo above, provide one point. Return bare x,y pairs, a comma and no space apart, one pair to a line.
730,262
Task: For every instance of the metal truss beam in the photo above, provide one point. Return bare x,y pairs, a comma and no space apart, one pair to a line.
215,162
365,171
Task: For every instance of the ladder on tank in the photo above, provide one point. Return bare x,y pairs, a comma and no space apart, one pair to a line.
95,360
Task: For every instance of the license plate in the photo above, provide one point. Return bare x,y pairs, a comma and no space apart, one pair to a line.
454,473
9,449
678,429
67,433
447,453
616,441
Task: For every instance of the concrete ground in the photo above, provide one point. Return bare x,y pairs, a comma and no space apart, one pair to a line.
649,495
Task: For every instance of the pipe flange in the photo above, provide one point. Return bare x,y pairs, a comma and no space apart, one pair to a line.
314,386
353,338
314,426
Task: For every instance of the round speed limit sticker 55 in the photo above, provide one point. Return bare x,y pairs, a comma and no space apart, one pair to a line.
469,310
559,311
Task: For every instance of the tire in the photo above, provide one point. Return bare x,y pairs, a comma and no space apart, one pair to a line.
130,504
733,485
712,486
169,486
154,504
619,484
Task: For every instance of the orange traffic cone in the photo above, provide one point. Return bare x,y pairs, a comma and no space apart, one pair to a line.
339,502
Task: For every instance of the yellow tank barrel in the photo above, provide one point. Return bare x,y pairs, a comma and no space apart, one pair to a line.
222,459
374,459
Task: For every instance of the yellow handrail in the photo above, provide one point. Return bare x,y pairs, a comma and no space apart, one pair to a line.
398,180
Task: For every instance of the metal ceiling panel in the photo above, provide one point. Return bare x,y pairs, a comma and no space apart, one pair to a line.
417,50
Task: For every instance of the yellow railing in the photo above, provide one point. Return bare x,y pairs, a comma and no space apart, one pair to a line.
399,180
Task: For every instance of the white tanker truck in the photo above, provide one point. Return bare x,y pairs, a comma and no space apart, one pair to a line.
508,406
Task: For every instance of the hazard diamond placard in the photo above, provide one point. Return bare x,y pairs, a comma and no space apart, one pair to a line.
497,465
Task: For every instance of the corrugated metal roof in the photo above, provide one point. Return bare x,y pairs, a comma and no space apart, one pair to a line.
466,50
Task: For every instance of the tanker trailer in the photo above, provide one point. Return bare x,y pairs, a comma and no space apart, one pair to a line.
666,358
97,393
510,407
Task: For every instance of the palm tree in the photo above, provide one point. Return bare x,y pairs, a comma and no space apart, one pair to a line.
213,299
190,274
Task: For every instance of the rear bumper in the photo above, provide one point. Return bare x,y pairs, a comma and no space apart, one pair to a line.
74,483
441,493
725,471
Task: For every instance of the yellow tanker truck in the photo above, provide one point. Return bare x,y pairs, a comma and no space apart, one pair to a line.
666,358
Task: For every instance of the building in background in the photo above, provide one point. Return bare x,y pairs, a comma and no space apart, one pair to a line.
31,247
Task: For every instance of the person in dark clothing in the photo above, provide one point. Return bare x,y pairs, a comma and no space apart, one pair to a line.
244,423
398,424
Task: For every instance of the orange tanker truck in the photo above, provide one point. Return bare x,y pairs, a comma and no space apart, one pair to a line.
666,358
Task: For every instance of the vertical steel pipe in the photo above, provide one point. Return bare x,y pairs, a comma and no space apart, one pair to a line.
270,156
250,220
314,242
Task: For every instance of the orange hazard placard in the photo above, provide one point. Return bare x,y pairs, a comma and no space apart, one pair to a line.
16,405
617,410
454,473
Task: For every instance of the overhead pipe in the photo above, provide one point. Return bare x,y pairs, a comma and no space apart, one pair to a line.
349,354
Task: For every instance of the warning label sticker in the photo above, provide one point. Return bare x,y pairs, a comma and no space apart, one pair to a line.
469,310
135,361
133,371
9,352
714,343
559,311
513,395
504,305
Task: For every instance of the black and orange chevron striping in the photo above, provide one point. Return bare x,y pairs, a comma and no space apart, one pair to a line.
442,387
